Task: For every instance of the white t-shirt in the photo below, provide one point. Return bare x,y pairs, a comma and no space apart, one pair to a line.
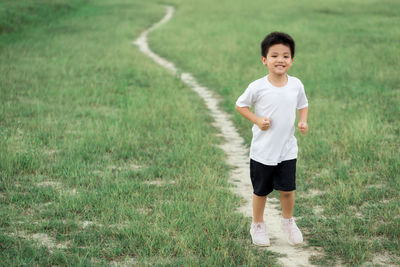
279,104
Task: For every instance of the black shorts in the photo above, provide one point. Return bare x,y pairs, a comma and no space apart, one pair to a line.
266,178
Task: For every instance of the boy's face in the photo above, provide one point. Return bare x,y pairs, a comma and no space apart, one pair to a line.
278,60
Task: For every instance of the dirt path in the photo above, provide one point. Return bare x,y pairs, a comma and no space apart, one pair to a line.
237,156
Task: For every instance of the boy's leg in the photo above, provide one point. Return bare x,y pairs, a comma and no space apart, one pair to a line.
258,208
263,184
258,229
294,235
286,184
287,203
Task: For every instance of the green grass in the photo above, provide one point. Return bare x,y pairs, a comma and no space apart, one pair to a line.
83,108
347,56
87,124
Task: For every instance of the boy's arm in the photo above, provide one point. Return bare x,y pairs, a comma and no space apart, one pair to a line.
303,126
262,123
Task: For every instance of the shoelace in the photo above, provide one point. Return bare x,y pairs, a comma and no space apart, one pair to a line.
259,228
292,227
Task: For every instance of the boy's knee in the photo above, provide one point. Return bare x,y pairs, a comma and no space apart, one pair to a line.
263,196
286,193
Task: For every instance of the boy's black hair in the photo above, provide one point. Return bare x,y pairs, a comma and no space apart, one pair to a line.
277,38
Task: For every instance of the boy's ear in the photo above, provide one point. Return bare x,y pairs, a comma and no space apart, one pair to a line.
264,60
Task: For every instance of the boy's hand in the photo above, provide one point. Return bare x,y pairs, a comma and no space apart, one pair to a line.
303,127
263,123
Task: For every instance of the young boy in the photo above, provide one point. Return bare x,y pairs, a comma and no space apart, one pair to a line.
274,149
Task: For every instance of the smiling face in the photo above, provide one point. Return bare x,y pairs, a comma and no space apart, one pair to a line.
278,60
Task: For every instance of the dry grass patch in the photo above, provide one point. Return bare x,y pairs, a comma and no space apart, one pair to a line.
159,182
126,166
129,166
73,191
322,173
50,152
375,186
56,185
318,210
143,211
126,261
42,239
315,192
86,224
385,259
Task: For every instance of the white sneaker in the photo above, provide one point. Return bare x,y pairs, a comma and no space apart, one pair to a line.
258,232
293,233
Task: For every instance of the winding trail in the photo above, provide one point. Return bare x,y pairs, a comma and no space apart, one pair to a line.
237,157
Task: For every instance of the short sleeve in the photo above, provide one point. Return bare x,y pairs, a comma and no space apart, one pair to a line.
302,101
247,99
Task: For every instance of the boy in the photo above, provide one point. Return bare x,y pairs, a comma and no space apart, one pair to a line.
273,151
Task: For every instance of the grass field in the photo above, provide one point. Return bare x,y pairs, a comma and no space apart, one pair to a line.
105,158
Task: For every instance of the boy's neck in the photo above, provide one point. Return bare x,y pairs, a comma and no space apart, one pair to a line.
278,80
